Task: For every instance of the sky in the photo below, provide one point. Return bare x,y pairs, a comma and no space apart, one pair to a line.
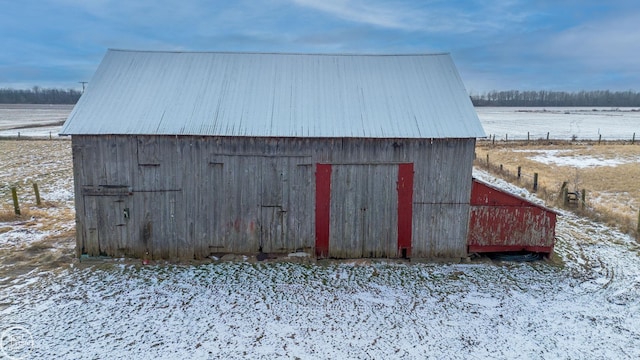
562,45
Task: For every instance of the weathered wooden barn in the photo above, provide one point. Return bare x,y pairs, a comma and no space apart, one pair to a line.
184,155
503,222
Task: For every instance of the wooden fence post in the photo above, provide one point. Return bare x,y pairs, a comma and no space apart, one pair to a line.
519,172
500,168
493,142
37,192
16,206
527,137
565,197
584,198
633,139
547,136
562,190
599,139
535,182
487,160
506,137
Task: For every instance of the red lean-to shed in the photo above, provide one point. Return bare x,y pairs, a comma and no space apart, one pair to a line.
501,222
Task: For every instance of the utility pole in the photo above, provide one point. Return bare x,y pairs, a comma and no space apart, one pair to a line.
83,84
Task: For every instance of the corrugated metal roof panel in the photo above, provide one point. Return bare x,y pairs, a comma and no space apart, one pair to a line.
275,95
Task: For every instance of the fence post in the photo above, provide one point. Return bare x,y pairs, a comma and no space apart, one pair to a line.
633,139
562,188
535,182
16,206
487,160
519,172
501,168
527,136
565,197
37,192
547,136
506,137
493,141
599,139
584,198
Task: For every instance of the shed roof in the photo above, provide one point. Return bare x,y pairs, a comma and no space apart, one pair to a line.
275,95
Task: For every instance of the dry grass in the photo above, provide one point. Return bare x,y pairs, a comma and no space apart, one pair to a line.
613,194
47,163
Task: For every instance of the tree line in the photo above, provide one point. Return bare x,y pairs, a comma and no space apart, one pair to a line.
37,95
557,98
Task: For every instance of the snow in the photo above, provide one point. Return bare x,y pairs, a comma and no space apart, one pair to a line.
32,120
558,157
561,123
381,309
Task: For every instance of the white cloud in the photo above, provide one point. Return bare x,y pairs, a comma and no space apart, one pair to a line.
609,44
427,16
366,12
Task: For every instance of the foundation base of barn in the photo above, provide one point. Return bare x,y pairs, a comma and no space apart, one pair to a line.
445,260
499,248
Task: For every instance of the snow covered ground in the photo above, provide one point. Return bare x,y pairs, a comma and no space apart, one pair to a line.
560,123
32,120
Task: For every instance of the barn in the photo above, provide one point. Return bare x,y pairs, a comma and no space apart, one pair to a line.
182,155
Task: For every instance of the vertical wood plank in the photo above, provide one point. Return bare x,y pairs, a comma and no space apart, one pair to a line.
323,209
405,209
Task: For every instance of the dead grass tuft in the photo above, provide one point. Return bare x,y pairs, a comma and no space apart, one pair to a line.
10,216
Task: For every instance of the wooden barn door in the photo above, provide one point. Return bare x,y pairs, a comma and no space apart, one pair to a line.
285,203
106,227
364,214
273,207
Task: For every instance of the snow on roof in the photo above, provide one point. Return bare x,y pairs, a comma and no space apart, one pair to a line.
275,95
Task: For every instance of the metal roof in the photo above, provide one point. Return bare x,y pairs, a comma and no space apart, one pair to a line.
275,95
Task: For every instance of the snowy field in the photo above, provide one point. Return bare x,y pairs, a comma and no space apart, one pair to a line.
32,120
514,123
560,123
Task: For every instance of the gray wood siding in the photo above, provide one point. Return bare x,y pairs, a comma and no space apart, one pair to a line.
191,196
364,215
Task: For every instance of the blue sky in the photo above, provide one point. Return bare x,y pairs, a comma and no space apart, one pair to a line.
567,45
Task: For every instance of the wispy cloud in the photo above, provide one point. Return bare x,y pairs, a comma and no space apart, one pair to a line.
367,12
608,44
428,16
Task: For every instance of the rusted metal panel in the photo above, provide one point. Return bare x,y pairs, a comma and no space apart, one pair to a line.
500,221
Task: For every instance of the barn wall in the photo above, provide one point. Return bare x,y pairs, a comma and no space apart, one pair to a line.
187,196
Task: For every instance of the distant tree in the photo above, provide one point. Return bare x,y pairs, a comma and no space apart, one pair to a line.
557,98
38,95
